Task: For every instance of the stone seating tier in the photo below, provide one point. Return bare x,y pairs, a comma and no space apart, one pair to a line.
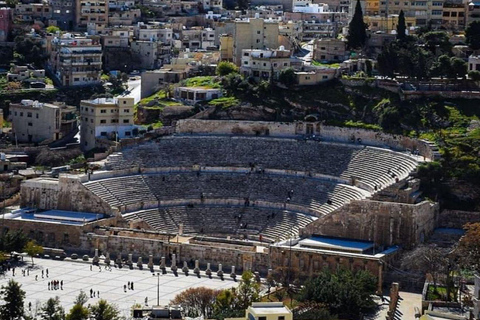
320,196
372,166
272,224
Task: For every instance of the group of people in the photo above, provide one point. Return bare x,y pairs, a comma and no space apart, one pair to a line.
129,285
55,285
94,294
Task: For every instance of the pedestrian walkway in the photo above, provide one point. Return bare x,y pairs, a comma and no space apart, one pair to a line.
109,285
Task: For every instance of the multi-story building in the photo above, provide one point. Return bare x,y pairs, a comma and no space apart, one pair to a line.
453,15
63,12
147,53
154,32
28,12
117,37
264,64
108,118
214,5
319,25
6,23
330,50
387,24
253,34
91,11
36,122
76,60
424,11
123,17
473,11
473,63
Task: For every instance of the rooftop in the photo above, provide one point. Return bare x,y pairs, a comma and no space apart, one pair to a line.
54,216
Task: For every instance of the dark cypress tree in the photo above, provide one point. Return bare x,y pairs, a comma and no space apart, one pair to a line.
401,27
357,34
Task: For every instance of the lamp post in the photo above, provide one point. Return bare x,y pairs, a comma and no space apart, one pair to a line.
158,288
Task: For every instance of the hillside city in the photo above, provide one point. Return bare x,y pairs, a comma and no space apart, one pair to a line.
240,159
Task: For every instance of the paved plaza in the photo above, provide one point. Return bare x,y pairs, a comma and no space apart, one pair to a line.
77,276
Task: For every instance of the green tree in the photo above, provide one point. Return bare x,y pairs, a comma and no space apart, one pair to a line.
248,291
226,305
438,43
102,310
357,35
27,50
474,75
12,241
197,301
81,299
53,29
52,310
287,77
458,67
11,3
32,249
472,35
442,67
345,292
13,297
401,26
78,312
225,68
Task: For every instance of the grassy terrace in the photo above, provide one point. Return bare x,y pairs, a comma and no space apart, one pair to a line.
207,82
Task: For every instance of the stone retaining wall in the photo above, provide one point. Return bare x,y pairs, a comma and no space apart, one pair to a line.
457,219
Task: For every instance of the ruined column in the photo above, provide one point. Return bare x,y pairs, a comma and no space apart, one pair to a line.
233,275
140,263
163,265
150,262
185,267
107,259
130,261
208,271
96,259
197,269
118,261
220,271
174,263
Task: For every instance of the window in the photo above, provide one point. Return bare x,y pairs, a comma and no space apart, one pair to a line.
437,12
324,77
91,120
36,115
262,318
30,124
281,317
124,102
258,40
246,54
128,133
103,121
114,121
103,133
454,14
21,114
86,109
258,31
285,64
16,111
126,120
437,4
245,62
126,110
103,111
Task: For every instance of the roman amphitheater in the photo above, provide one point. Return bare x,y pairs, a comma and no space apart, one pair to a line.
253,195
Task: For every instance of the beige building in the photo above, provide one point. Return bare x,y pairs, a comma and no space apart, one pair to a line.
76,60
192,95
154,80
422,11
453,15
387,24
251,34
315,76
330,50
91,11
20,73
268,311
109,118
264,64
37,122
226,47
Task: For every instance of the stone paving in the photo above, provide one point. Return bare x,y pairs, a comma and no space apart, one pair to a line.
77,276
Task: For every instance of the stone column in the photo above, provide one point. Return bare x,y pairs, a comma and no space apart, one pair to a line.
107,259
163,265
208,272
174,263
197,268
96,259
380,277
185,267
150,262
119,259
233,275
220,271
130,261
140,263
